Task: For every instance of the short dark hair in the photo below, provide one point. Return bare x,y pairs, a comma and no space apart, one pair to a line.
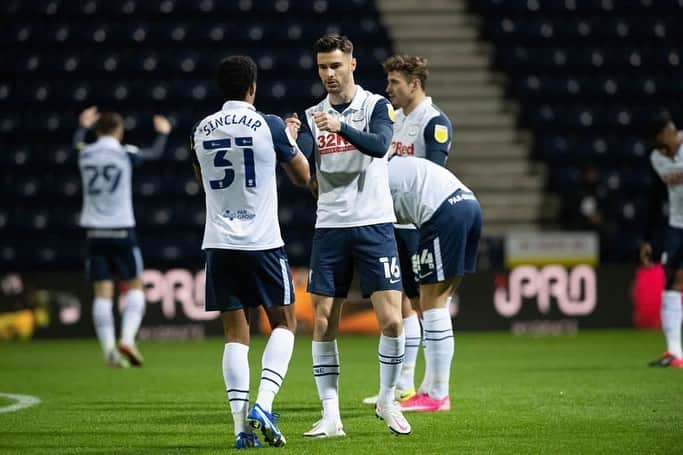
235,76
413,67
332,42
657,125
108,123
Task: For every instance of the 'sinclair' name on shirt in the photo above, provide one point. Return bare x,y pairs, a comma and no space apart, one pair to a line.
231,119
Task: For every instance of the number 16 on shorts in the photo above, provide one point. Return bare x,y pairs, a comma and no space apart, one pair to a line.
392,271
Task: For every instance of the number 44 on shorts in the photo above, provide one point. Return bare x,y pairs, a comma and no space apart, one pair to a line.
424,259
391,269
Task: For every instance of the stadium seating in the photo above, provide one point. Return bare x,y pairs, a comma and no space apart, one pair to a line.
142,57
590,75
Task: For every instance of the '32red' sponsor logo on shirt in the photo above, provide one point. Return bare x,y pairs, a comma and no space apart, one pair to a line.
403,149
333,143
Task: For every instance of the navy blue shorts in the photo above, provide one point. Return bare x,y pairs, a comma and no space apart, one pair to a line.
672,257
450,239
335,251
407,241
112,254
236,279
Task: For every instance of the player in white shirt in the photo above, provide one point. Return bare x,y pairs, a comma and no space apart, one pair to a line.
448,218
236,151
106,168
351,129
421,129
667,160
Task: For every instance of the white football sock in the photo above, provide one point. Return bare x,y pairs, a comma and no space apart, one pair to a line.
411,330
275,362
326,372
426,384
672,314
438,336
103,318
391,352
132,316
236,377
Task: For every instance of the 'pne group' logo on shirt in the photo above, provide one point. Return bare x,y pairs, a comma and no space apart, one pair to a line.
240,215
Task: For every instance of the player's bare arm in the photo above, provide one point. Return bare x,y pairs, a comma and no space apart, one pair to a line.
298,170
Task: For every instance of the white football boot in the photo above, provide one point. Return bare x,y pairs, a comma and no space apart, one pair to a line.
392,415
326,428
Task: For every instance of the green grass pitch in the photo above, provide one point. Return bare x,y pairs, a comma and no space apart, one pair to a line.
590,393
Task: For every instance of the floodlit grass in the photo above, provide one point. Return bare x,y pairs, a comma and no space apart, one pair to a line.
591,393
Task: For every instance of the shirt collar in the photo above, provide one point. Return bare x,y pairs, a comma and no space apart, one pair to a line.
234,104
420,107
108,140
357,101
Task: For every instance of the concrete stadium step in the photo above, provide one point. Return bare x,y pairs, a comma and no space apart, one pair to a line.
513,183
438,78
495,136
447,48
509,199
450,33
393,6
517,213
458,62
481,120
498,228
425,18
482,154
501,168
460,107
465,91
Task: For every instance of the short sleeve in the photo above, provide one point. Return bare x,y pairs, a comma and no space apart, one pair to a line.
284,144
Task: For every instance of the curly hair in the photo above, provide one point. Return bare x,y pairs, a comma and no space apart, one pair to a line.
413,67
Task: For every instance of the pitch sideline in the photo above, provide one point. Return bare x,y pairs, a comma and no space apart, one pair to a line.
22,402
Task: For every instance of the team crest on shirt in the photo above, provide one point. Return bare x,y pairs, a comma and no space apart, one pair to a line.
440,133
390,111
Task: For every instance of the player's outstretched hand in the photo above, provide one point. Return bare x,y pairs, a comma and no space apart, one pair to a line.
293,125
88,117
326,122
645,254
161,124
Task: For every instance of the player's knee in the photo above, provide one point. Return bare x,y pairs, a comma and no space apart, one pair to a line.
321,323
289,324
392,326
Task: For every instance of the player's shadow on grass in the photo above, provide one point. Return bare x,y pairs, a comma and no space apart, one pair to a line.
195,418
119,406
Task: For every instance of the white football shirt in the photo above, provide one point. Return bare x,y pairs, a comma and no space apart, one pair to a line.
353,188
106,175
419,187
411,138
237,149
670,170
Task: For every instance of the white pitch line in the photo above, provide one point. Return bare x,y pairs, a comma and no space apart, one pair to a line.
22,401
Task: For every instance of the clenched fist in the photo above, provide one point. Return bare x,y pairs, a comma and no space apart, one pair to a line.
326,122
